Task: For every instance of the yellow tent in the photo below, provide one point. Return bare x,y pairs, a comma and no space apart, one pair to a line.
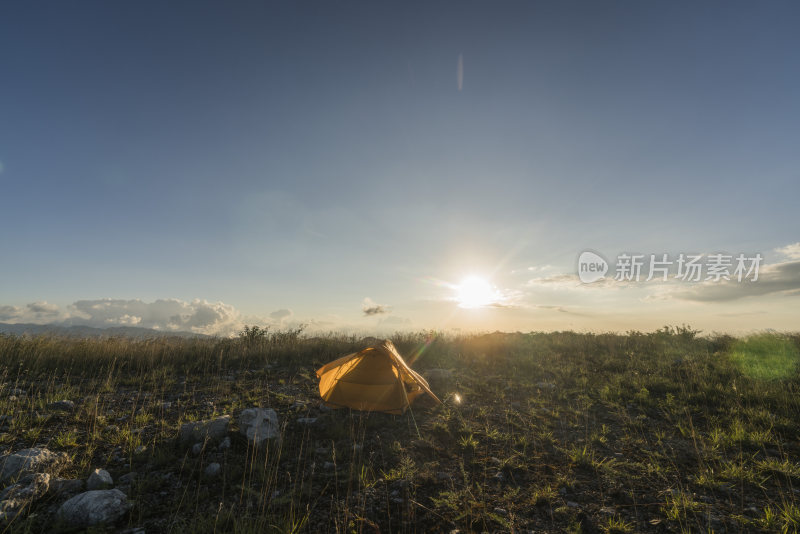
375,379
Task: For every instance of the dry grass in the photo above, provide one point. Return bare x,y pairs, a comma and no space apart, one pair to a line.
661,431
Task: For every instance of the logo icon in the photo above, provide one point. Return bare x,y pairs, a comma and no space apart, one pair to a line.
591,267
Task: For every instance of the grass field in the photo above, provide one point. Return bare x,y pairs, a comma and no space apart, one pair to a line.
665,431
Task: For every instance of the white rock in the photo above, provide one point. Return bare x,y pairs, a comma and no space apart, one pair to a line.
15,498
20,463
94,507
99,479
198,431
28,486
259,425
213,470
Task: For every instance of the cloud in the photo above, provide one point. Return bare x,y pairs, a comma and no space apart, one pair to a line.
199,316
282,318
570,281
790,251
560,309
165,315
369,307
742,314
43,309
9,312
281,314
393,320
780,278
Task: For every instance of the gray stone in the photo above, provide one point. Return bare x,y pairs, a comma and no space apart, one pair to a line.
16,497
128,478
94,507
225,444
62,405
65,486
213,470
213,430
34,460
27,486
99,479
573,504
306,421
197,448
259,425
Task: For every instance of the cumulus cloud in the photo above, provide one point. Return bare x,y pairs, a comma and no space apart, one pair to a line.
282,318
281,314
43,309
9,312
369,307
780,278
790,251
199,316
165,315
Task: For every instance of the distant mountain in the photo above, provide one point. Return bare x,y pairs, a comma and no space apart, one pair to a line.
89,331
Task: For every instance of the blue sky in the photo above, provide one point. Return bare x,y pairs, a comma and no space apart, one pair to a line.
234,161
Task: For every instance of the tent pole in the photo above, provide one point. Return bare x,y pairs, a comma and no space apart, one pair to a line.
405,396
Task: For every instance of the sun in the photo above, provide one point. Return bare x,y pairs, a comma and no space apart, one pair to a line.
475,292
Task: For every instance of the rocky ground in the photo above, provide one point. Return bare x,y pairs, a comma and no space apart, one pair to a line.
653,432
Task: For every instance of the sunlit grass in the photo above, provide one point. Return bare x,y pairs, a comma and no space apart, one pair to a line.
548,425
766,356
